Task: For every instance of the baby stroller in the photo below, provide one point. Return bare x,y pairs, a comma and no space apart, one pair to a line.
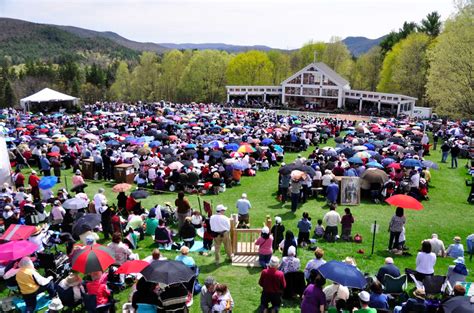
55,263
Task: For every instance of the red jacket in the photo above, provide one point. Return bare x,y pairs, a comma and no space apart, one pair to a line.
272,280
33,180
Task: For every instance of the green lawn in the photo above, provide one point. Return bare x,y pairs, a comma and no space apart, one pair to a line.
446,213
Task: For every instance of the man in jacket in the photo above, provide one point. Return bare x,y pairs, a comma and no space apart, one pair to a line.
273,284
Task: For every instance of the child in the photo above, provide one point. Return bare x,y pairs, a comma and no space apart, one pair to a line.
346,221
196,220
277,231
222,300
319,229
304,226
207,238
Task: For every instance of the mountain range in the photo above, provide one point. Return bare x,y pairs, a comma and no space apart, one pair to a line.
22,40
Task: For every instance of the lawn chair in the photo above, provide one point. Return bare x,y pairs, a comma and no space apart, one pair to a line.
394,286
418,284
434,285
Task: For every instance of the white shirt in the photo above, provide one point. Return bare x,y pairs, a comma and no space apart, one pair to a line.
332,218
425,262
437,246
220,223
243,206
99,201
58,213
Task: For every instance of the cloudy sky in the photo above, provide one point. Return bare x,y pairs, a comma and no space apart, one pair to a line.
276,23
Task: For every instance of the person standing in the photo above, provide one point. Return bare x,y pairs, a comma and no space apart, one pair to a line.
183,207
395,228
99,200
314,299
33,181
332,220
45,165
273,284
243,206
18,179
220,225
295,190
444,151
455,150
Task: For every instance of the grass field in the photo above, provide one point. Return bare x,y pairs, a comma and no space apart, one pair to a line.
446,213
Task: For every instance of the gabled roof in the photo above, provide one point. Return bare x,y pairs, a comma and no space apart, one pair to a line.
48,95
323,68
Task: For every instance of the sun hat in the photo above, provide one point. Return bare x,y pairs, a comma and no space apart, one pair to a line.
459,259
364,296
419,293
244,195
274,262
78,172
457,239
265,230
55,304
277,219
220,208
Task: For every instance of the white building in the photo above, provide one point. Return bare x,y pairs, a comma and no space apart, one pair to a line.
318,87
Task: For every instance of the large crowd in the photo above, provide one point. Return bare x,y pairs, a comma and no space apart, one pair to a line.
200,148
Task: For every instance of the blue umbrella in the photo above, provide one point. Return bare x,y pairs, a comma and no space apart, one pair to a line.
112,143
267,141
374,164
430,164
355,160
231,146
155,144
343,274
387,161
47,182
411,163
216,144
369,146
278,148
190,146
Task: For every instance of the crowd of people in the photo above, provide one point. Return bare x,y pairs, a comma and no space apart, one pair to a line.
199,148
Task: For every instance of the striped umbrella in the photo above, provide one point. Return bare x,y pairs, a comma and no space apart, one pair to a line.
246,149
92,259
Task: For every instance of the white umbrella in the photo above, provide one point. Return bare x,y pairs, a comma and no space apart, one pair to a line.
127,155
75,204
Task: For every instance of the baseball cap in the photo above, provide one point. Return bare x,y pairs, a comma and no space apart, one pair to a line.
220,208
364,296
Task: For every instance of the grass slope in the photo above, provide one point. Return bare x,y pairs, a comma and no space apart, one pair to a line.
446,213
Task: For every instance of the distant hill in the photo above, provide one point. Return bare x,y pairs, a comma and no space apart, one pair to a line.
23,40
360,45
214,46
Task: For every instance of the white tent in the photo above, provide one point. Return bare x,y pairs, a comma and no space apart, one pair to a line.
46,95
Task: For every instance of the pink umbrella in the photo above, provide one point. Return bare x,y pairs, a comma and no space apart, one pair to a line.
15,250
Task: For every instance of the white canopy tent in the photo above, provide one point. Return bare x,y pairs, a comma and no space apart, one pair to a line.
47,95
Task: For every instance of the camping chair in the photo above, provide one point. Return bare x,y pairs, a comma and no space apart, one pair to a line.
394,286
434,285
295,284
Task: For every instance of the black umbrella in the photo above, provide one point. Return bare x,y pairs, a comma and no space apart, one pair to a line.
190,152
85,223
396,140
140,194
161,136
170,160
79,188
187,163
287,169
307,169
217,154
339,140
348,152
167,272
165,151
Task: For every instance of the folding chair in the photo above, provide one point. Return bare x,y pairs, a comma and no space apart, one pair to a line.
394,285
435,284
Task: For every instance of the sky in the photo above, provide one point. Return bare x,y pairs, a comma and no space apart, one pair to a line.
276,23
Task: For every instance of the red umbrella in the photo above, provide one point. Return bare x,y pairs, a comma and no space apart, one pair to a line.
394,166
18,232
15,250
132,267
405,202
92,259
44,130
54,154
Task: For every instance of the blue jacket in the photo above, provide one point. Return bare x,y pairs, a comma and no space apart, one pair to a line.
45,165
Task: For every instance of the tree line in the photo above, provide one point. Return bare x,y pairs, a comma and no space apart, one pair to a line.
430,60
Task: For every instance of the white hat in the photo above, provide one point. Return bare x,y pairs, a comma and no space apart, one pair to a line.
244,195
277,219
265,230
292,251
56,304
364,296
220,208
460,259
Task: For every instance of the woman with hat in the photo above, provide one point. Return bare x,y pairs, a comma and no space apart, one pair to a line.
458,272
416,303
456,249
70,289
9,216
77,180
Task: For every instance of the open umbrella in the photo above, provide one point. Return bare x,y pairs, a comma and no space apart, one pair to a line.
267,141
246,149
374,164
430,164
15,250
343,274
348,152
85,223
411,163
132,267
216,154
54,154
79,188
216,144
374,176
355,160
18,232
231,147
92,259
154,144
75,204
123,187
47,182
404,201
395,166
140,194
387,161
175,165
167,272
287,169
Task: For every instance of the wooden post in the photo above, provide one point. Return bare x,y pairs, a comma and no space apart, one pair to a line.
233,235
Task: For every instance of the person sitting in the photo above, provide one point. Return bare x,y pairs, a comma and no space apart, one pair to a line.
184,258
319,229
70,290
207,291
416,303
389,268
155,256
144,294
425,261
287,242
458,272
31,283
335,293
151,223
222,299
121,250
187,232
437,245
364,299
136,223
173,298
378,299
163,234
196,219
290,263
315,263
458,303
98,288
456,249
